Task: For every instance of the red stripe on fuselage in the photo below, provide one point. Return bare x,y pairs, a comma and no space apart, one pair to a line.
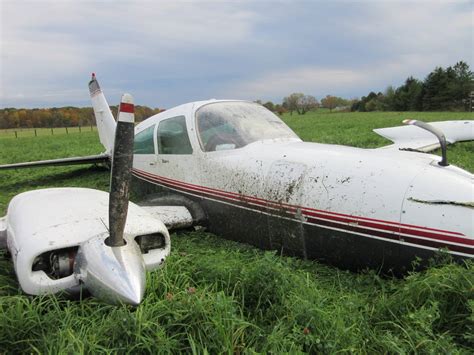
355,223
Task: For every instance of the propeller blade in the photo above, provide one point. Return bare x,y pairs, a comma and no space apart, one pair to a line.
120,175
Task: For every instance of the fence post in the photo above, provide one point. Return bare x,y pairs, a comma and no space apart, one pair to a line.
16,135
67,131
52,131
80,129
36,135
91,127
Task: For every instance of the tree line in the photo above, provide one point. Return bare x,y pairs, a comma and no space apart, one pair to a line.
442,90
301,103
60,116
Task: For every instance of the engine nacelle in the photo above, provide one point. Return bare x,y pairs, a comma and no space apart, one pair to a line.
57,241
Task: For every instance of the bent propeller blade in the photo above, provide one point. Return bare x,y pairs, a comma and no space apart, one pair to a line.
113,269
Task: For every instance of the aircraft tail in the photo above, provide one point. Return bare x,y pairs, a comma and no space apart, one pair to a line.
105,120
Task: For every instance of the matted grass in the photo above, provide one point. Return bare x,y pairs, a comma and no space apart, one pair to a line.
218,296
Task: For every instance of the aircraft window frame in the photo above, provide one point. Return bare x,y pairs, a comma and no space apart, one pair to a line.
235,142
188,148
148,130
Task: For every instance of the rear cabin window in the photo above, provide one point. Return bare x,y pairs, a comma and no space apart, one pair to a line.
173,136
143,143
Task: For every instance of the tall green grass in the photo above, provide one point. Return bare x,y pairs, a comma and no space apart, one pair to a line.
217,296
220,296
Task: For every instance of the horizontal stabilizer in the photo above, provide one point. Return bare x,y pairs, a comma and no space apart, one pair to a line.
414,138
91,159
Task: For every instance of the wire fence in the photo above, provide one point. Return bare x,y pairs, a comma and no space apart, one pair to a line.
36,132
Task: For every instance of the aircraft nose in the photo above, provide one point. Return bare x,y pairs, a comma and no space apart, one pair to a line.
113,274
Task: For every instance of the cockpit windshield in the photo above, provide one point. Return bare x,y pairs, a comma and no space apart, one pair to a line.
232,125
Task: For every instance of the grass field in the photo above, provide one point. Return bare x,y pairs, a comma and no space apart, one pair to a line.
216,296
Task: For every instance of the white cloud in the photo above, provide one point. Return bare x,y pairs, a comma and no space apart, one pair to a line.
439,30
48,48
400,38
47,42
321,81
310,80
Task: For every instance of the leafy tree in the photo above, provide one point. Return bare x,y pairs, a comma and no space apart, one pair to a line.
331,102
388,101
269,105
408,96
306,103
361,105
290,102
280,109
436,94
300,103
462,85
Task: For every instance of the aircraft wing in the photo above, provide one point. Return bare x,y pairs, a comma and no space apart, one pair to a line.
91,159
414,138
105,125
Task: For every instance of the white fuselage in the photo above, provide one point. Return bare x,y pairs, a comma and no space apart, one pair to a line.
402,198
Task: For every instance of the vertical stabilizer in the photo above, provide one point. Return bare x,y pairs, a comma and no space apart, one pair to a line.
103,116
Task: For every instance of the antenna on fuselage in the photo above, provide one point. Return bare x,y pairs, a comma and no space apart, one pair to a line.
440,135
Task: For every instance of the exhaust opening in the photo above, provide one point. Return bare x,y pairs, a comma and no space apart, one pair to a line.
56,263
151,241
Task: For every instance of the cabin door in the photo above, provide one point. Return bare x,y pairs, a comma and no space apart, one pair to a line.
176,162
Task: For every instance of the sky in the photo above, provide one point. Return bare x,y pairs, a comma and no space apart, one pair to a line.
166,53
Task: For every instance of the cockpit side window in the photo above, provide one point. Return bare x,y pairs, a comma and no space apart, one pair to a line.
143,141
173,136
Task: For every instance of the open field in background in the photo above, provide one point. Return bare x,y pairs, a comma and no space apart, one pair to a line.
35,132
220,296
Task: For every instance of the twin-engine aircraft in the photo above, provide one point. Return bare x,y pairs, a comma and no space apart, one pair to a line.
235,168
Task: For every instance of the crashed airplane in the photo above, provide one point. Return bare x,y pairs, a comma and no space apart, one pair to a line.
235,168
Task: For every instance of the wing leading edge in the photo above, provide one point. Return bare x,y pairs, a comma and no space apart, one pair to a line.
91,159
105,124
